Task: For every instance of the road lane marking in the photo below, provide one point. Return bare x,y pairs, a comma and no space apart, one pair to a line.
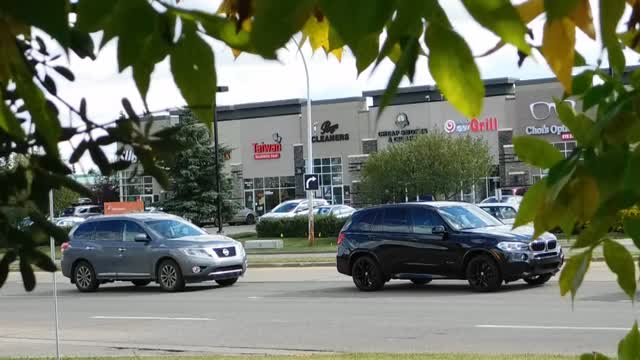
536,327
100,317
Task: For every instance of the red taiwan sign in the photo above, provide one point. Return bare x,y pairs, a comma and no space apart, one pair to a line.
266,151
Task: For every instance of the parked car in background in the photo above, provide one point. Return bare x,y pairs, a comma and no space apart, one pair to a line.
243,216
292,208
68,221
83,211
83,201
339,211
421,242
511,199
505,212
146,247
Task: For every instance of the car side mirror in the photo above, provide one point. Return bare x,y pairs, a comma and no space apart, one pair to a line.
142,238
438,230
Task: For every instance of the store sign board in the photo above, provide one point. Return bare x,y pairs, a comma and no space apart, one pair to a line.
545,130
328,133
474,125
402,133
267,151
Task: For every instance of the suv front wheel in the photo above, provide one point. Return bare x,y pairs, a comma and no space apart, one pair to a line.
483,274
170,276
367,274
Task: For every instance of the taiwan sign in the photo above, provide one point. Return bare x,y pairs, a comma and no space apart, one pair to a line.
267,151
473,125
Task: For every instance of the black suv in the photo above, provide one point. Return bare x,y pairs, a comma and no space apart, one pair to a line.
442,240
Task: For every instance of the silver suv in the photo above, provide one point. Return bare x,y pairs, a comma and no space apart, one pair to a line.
147,247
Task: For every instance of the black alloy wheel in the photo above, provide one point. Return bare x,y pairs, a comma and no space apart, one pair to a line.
170,276
85,277
538,279
140,283
367,275
227,282
483,274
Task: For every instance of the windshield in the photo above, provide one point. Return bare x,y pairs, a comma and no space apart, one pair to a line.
323,210
462,217
67,212
285,207
174,229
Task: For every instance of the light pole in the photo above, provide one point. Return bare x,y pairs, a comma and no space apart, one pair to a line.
309,146
217,147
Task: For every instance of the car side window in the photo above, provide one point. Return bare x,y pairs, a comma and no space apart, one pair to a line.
111,230
84,232
131,229
364,221
424,220
396,219
507,213
95,210
82,211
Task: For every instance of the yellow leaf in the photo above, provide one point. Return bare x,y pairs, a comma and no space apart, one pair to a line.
318,32
236,53
530,10
247,25
395,53
583,19
584,198
558,48
337,53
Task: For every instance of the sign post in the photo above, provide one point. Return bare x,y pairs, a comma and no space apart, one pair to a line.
52,244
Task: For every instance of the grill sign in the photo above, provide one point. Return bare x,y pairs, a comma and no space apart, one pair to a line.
266,151
474,125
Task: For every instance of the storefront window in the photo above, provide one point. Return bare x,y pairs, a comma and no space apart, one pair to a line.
263,194
271,182
288,181
258,183
331,180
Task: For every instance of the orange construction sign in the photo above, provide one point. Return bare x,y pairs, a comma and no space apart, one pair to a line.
113,208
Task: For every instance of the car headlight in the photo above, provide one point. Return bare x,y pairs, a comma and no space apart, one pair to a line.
513,246
196,252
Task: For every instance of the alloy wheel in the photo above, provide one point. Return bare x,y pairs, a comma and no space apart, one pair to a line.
84,277
168,276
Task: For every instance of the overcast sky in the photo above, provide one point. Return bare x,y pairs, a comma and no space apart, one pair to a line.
252,79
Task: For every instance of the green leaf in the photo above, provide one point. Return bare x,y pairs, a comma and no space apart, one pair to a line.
435,14
28,277
64,71
276,21
596,94
632,172
610,13
629,347
48,15
9,123
406,65
559,9
93,14
78,152
193,69
502,18
7,259
366,52
579,125
139,19
43,261
99,158
582,82
452,66
573,273
578,61
531,203
82,44
620,262
536,152
155,48
358,19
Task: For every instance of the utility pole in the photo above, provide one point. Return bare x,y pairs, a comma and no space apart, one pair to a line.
217,148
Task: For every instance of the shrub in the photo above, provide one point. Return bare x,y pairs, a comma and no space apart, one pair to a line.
325,226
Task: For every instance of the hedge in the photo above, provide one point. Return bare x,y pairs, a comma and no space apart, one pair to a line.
325,226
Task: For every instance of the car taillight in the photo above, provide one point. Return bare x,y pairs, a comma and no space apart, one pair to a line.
64,246
341,237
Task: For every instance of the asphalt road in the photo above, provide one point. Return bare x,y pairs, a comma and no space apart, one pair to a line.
298,310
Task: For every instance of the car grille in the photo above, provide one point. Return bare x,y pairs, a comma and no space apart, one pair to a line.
229,268
551,244
537,246
545,255
231,251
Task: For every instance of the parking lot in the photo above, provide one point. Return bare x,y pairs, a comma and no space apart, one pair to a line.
299,310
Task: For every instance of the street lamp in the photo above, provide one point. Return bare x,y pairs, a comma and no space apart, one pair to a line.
309,146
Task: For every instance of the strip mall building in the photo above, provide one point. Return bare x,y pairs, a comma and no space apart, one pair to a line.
268,155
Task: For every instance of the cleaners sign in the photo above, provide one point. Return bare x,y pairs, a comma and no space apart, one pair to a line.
473,125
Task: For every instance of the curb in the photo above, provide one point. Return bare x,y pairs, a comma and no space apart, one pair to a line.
292,264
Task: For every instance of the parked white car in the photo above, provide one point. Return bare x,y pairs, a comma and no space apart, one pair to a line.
243,216
292,208
339,211
505,212
68,221
510,199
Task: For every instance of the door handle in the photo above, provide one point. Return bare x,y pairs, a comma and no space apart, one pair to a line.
122,249
89,247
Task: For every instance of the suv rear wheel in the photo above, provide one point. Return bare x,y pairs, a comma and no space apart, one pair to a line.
483,274
85,277
538,279
367,274
170,276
